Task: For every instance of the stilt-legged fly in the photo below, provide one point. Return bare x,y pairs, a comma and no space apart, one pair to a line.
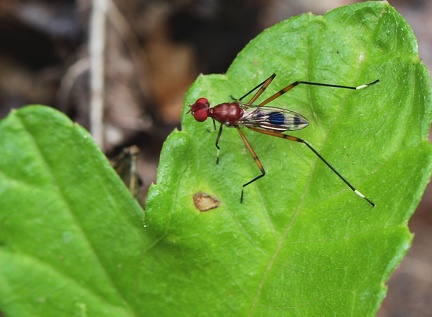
266,120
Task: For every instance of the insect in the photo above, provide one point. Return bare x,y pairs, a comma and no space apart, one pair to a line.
266,120
126,166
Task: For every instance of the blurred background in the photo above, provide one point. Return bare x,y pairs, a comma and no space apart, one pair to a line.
153,51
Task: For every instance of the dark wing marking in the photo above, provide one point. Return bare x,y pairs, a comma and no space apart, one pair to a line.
272,118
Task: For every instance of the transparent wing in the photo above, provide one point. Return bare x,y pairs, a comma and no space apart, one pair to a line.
272,118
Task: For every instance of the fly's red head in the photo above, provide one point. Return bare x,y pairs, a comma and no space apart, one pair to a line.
200,109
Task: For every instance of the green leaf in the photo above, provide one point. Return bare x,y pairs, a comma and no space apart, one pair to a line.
70,231
302,243
72,241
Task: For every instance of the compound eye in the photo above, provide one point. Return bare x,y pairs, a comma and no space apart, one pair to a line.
202,101
201,115
200,109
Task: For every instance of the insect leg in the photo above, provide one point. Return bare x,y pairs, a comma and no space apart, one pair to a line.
294,84
217,142
256,159
295,139
262,87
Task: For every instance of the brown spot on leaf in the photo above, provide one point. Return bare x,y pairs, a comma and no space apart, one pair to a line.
205,202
